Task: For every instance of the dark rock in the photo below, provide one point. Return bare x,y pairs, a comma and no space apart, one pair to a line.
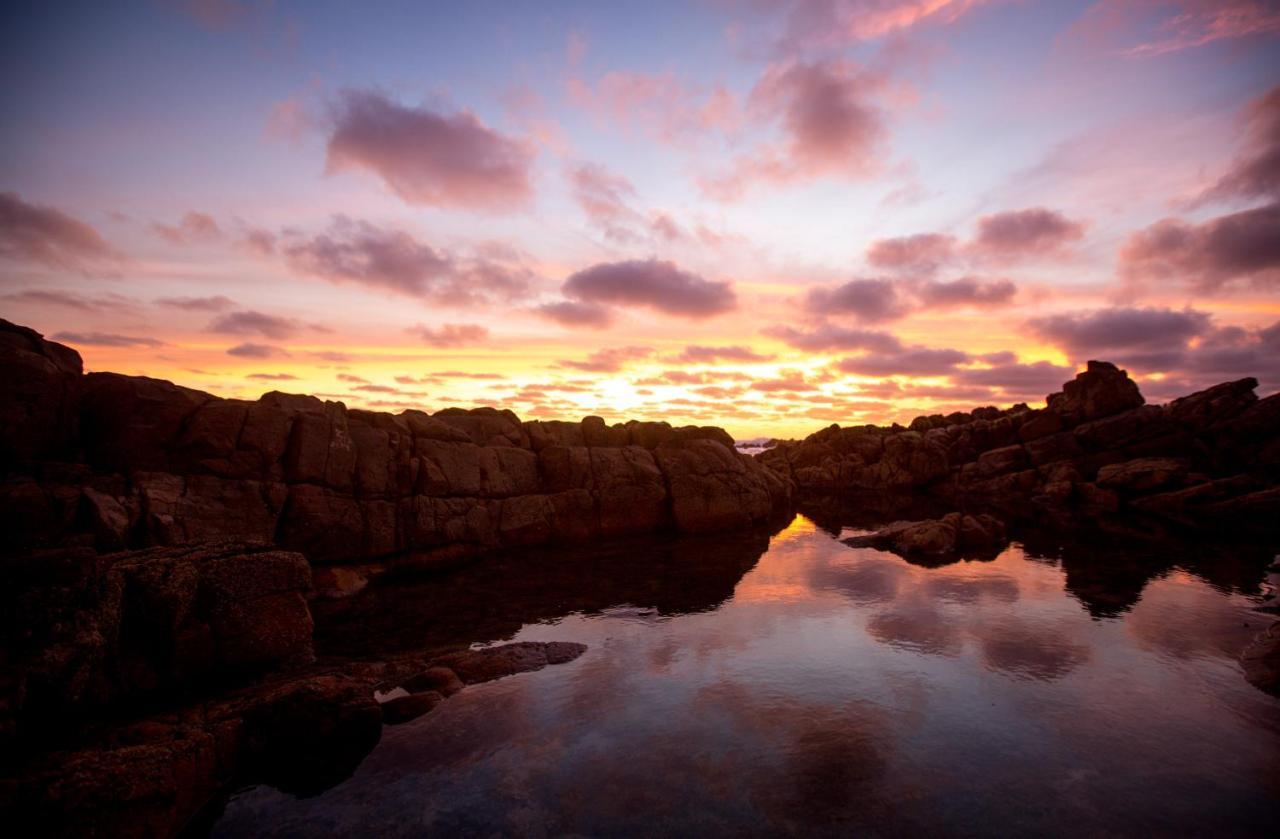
442,680
953,533
1143,474
1261,660
485,665
1100,391
402,709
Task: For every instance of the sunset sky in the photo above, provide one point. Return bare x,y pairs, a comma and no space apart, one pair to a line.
765,215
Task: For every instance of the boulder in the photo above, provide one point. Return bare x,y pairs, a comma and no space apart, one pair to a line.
1100,391
1143,474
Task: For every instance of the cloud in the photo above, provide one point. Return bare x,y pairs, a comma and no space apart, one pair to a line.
1256,174
966,291
260,242
1239,246
868,300
573,313
194,228
654,284
604,197
1147,338
807,25
273,377
425,157
908,361
694,354
256,351
68,300
1195,23
50,237
828,337
829,121
450,334
922,253
254,323
608,361
395,261
1020,233
657,104
196,304
789,381
106,339
1032,380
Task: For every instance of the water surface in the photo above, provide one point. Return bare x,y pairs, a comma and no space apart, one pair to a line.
799,686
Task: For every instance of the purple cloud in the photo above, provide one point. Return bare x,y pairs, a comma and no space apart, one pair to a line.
256,351
425,157
1027,232
608,361
50,237
196,304
694,354
966,291
194,228
254,323
573,313
1239,246
868,300
1149,339
106,339
909,361
828,337
655,284
921,253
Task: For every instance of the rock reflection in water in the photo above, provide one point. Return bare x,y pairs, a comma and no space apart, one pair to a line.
824,690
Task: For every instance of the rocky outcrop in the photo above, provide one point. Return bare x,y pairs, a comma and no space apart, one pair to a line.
955,534
86,631
1095,450
111,462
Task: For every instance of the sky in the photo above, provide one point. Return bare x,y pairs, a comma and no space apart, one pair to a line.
761,214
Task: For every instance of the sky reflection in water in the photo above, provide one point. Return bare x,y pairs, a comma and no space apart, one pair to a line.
843,689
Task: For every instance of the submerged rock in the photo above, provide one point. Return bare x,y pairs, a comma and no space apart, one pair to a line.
489,663
951,534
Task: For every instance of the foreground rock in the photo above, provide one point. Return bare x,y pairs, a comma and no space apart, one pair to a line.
1095,451
1261,660
112,461
301,734
953,534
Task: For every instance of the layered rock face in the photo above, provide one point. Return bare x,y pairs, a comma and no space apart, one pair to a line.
1211,458
113,461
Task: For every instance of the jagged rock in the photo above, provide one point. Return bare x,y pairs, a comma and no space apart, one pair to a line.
1100,391
40,381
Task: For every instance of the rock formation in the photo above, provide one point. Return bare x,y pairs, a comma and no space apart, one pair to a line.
953,534
111,462
1094,450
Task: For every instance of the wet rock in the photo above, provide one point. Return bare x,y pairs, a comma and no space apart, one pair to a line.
402,709
485,665
442,680
953,533
1261,660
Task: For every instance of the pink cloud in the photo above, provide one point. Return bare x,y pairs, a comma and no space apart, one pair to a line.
1195,23
50,237
573,313
811,24
966,291
107,339
1019,233
695,354
425,157
450,334
254,323
1240,246
393,260
605,198
256,351
867,300
654,284
829,121
194,227
1257,172
609,360
1149,338
921,253
829,337
196,304
657,104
